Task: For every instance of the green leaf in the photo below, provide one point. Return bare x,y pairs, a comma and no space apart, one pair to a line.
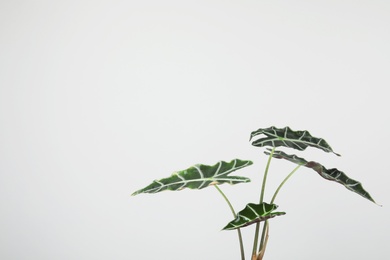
329,174
299,140
199,176
253,213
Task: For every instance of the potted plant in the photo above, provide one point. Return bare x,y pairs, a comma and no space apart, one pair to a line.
201,176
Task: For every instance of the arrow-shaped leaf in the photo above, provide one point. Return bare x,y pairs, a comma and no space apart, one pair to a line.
329,174
199,176
253,213
299,140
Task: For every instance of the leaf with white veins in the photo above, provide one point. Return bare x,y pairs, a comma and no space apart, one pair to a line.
329,174
253,213
299,140
199,176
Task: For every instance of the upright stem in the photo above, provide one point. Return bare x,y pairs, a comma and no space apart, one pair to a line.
265,228
254,250
264,240
265,175
235,215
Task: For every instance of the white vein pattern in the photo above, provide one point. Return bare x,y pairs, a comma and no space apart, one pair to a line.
217,177
182,178
328,174
162,184
297,139
201,177
253,213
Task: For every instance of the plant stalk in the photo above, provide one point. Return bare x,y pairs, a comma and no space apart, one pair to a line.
283,182
266,225
254,250
235,215
265,239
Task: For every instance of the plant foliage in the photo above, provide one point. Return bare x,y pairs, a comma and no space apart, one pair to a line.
329,174
199,176
300,140
253,213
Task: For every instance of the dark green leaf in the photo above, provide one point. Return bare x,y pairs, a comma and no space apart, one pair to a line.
253,213
199,176
329,174
299,140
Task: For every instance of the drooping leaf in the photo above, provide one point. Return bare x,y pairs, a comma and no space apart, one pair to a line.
199,176
299,140
329,174
253,213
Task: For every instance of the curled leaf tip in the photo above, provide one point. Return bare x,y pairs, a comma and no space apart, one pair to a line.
328,174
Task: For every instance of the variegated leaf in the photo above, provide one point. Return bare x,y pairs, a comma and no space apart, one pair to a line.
199,176
253,213
299,140
329,174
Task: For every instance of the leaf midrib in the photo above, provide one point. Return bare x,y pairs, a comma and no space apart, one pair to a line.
293,140
215,177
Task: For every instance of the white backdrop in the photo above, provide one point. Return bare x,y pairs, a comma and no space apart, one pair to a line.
99,98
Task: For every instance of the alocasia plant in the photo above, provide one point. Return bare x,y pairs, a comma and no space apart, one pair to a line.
201,176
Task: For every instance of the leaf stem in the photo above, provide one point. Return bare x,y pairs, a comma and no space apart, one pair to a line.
264,239
283,182
235,215
266,225
254,252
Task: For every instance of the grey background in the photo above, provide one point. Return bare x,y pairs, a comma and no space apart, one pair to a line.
98,98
